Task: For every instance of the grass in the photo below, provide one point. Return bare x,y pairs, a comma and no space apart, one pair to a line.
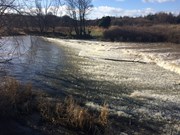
96,31
20,100
73,116
14,98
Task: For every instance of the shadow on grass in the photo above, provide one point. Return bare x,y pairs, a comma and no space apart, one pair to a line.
17,102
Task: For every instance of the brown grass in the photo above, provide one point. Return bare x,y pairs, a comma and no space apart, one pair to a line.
96,31
20,100
14,98
103,117
72,115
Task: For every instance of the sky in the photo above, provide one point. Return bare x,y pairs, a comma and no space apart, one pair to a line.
132,7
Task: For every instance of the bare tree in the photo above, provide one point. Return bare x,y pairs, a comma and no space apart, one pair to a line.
78,10
5,7
9,46
41,10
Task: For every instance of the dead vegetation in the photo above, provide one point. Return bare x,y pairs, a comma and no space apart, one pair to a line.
154,33
14,98
20,100
74,116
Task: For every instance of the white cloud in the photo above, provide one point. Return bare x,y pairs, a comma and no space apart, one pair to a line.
159,1
101,11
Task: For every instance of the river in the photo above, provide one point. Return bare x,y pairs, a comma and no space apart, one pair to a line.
137,93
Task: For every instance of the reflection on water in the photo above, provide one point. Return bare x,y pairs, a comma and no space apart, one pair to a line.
47,67
34,61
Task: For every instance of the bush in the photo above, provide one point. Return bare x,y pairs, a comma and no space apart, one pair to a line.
132,35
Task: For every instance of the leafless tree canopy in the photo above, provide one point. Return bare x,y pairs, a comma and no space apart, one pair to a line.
5,5
78,10
43,10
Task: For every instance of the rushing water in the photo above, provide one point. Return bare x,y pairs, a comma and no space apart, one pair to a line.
130,89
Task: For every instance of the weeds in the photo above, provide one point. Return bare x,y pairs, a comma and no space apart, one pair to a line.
69,114
17,99
103,118
14,98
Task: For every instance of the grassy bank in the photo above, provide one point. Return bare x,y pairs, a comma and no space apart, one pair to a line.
18,102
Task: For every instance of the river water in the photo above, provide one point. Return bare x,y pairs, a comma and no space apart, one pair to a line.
35,61
143,94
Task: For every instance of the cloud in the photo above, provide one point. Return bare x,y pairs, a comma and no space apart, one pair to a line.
101,11
159,1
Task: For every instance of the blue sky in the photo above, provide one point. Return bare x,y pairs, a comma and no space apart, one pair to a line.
160,5
133,7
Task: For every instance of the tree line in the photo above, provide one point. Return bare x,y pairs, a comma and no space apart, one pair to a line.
44,14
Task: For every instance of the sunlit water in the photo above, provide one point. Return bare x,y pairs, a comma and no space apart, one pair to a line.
34,61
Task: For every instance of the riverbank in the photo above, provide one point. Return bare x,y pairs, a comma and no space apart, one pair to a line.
27,111
148,76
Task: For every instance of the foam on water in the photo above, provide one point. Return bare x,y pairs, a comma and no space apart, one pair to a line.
159,59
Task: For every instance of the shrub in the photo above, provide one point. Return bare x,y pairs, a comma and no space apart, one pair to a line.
132,34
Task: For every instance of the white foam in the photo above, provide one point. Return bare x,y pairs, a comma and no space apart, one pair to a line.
102,50
159,59
149,94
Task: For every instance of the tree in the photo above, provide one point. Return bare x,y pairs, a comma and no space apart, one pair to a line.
105,22
78,10
6,20
5,7
43,10
7,4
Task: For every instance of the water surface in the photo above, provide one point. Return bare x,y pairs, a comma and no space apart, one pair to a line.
139,92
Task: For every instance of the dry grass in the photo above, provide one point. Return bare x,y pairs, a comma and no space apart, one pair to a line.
17,99
103,118
14,98
69,114
96,31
